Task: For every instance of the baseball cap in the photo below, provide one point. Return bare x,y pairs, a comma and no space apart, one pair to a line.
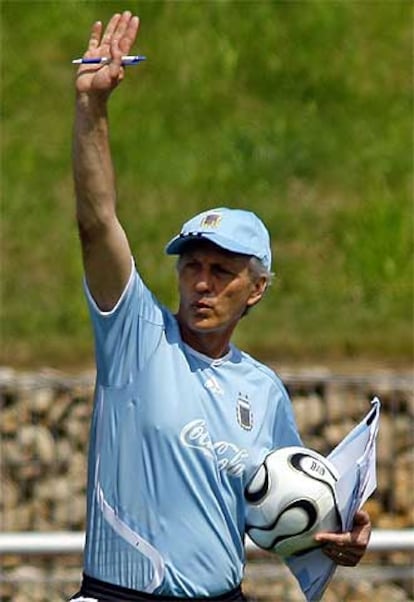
235,230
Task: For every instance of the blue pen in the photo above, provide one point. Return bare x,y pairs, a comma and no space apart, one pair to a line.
126,60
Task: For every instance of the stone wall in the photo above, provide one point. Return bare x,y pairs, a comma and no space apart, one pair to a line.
45,422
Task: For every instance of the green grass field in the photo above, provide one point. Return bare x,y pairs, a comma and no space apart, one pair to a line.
301,111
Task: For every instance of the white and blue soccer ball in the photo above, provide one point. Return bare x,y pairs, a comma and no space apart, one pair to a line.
290,498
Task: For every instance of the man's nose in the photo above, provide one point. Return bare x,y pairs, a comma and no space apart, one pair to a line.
203,282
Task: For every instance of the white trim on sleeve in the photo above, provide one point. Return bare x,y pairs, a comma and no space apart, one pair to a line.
118,303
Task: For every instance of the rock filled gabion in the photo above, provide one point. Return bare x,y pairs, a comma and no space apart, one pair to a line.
44,430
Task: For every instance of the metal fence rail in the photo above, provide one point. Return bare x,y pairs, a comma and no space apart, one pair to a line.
382,540
47,567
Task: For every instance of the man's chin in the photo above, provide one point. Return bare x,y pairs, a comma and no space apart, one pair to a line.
201,322
203,325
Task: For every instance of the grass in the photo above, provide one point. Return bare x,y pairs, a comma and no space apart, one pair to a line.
301,111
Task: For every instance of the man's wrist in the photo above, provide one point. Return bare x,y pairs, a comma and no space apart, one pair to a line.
95,102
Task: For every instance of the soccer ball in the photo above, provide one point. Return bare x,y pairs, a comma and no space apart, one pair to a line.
290,498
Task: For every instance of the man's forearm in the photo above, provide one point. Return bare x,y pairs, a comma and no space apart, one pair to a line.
92,163
106,252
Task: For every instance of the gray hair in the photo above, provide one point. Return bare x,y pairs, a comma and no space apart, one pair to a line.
258,270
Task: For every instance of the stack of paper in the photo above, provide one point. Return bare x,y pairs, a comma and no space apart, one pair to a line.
355,459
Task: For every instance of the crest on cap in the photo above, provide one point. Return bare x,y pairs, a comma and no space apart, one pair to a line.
211,220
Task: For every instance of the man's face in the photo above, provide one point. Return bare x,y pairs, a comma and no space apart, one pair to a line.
215,288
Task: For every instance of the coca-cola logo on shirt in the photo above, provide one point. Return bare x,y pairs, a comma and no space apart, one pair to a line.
229,457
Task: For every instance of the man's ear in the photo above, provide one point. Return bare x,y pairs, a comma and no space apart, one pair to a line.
259,288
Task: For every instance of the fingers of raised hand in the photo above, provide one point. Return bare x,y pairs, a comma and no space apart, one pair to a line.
124,35
113,42
118,37
110,31
129,35
121,33
95,37
99,44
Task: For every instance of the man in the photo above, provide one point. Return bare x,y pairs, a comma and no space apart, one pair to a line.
182,418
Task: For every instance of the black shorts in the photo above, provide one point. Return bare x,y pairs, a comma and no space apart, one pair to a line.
100,591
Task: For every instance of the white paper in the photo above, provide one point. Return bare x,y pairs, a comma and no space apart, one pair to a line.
355,459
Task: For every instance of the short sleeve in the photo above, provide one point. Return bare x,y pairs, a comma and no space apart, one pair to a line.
285,431
119,333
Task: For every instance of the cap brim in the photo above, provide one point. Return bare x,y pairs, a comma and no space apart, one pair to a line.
177,245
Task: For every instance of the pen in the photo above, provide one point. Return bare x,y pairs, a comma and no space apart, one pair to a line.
126,60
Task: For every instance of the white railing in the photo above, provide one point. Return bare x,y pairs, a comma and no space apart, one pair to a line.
67,542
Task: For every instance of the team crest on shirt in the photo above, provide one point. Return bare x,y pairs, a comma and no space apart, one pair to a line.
244,412
211,220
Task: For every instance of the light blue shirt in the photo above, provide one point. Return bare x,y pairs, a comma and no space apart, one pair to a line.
175,437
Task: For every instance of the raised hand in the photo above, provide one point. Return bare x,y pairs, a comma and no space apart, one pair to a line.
116,41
